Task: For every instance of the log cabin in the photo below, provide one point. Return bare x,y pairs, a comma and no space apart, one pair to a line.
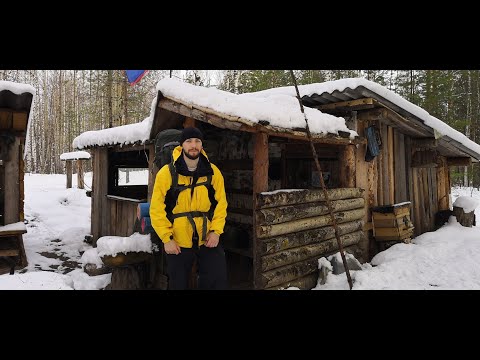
376,150
15,114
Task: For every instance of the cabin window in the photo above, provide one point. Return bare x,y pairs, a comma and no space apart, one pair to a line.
128,174
132,176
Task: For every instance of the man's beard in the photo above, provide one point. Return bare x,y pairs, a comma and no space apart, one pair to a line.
192,157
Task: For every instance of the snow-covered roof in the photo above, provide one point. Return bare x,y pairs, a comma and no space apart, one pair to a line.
278,111
126,134
75,155
344,88
16,88
23,100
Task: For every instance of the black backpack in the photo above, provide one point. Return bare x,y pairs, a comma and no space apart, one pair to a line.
165,142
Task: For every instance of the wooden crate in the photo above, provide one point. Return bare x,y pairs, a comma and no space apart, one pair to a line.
392,222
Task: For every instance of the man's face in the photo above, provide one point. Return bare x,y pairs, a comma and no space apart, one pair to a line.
192,147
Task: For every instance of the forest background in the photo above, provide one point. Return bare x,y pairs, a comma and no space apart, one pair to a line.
70,102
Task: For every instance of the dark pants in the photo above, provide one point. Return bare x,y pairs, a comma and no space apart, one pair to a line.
212,268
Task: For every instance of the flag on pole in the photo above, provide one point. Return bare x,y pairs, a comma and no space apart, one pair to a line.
134,76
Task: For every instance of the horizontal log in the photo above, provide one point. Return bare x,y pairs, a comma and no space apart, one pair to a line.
291,272
307,282
264,231
293,197
240,201
284,214
301,238
240,218
294,255
459,161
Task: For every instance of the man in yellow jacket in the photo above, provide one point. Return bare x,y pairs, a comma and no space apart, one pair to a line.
188,210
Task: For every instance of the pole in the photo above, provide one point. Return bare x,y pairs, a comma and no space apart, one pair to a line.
325,193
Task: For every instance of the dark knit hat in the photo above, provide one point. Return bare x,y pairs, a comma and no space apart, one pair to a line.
191,132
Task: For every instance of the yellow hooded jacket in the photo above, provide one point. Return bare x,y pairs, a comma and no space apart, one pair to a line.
181,229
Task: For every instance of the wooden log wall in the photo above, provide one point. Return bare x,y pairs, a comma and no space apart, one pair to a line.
293,230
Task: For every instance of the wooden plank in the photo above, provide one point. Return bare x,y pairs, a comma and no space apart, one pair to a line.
416,200
358,104
442,195
12,188
306,237
391,173
68,171
459,161
284,214
131,215
264,231
260,184
401,182
12,232
298,254
380,170
20,121
6,119
113,217
408,169
21,179
385,167
289,197
433,198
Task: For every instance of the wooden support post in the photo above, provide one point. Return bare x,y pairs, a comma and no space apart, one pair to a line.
442,193
80,180
68,165
350,165
391,175
260,184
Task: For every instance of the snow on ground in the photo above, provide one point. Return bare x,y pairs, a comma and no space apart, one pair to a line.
57,220
448,258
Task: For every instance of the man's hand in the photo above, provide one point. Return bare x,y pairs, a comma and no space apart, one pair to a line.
212,240
172,247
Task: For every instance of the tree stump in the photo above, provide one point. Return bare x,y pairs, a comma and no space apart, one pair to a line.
128,277
465,219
